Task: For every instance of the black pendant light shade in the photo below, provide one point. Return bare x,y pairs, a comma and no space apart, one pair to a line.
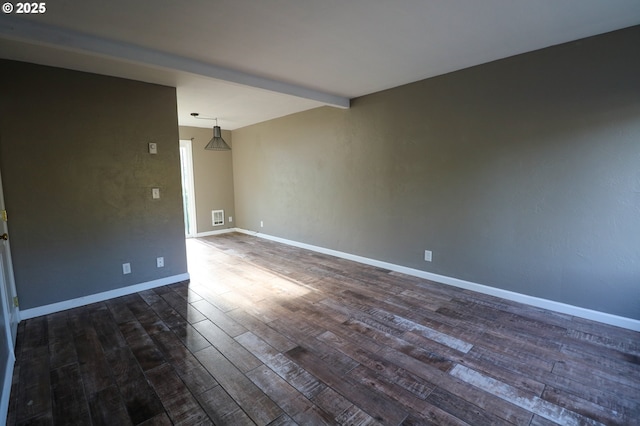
217,143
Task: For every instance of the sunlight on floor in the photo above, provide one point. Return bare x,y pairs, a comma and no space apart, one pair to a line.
242,283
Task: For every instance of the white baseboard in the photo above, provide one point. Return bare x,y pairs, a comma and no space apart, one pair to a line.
6,386
603,317
217,232
99,297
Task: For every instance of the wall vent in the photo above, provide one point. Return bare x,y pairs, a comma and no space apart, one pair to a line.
217,217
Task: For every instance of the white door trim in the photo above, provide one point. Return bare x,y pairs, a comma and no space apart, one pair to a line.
188,179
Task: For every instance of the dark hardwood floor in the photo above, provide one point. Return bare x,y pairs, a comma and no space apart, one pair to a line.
269,334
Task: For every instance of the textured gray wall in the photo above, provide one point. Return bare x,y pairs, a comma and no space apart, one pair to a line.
522,174
77,181
213,178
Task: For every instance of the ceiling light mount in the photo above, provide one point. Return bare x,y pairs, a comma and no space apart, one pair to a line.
216,143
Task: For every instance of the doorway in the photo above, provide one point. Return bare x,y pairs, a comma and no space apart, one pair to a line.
6,274
9,313
188,189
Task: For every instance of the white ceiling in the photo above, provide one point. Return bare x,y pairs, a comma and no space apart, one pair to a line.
247,61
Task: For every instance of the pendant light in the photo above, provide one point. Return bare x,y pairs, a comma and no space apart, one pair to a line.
216,143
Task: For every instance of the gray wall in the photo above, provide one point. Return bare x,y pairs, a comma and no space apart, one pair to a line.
77,181
522,174
213,178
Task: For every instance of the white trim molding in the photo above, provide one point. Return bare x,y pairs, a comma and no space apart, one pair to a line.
218,232
6,386
603,317
100,297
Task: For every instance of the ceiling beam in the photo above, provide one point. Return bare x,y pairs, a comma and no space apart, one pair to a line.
48,35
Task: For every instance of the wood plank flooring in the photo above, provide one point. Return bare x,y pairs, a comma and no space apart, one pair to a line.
267,334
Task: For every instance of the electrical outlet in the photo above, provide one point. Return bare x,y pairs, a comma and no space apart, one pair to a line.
160,262
153,148
155,193
230,219
261,224
126,268
428,255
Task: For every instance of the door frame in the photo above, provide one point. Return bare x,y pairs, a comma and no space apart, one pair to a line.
9,288
10,310
188,182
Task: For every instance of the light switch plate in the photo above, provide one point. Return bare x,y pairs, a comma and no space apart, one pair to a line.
153,148
155,193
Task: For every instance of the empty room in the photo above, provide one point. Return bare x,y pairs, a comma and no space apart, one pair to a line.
306,212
